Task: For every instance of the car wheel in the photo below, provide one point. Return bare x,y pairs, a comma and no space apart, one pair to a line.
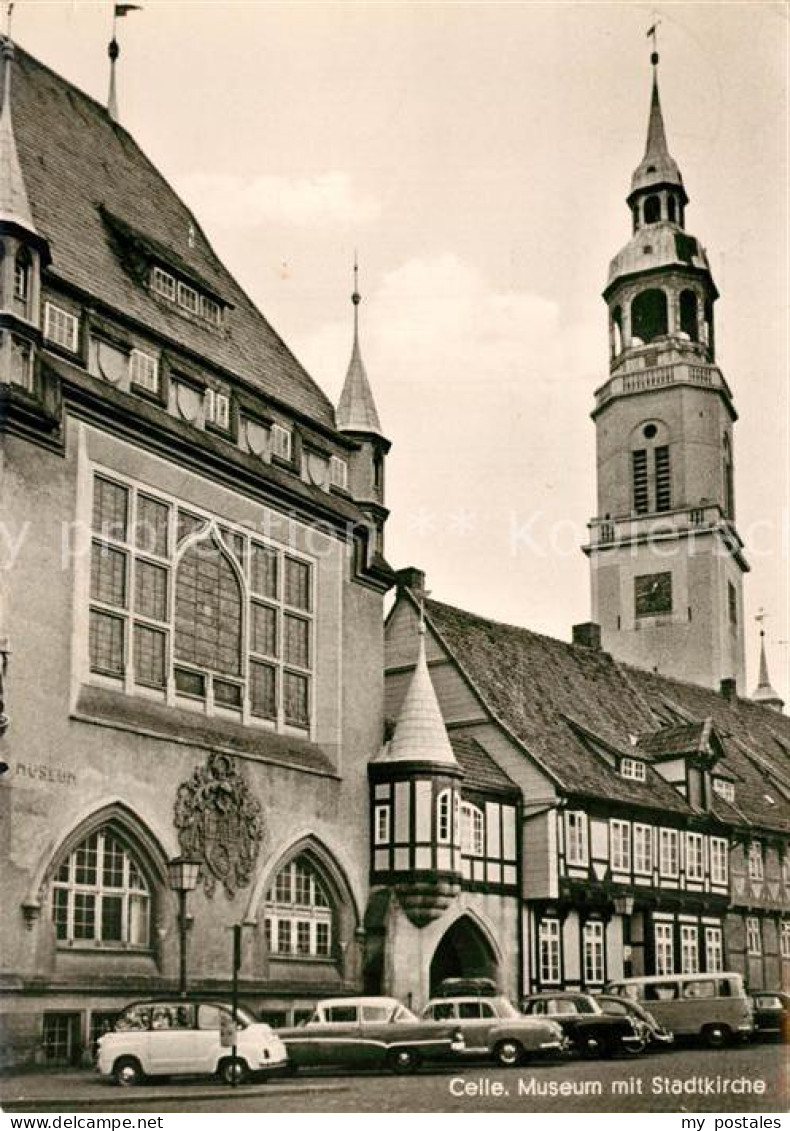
591,1047
715,1036
233,1070
508,1053
127,1072
634,1047
403,1061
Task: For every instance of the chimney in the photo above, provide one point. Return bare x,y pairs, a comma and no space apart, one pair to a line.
728,689
411,578
587,635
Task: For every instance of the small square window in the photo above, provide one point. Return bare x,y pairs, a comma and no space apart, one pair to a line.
144,371
338,469
282,442
163,283
218,409
60,327
188,298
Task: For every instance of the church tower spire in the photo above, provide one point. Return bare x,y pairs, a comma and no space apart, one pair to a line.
666,559
764,692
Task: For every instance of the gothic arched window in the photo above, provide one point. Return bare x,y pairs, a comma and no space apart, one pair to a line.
100,894
298,912
649,315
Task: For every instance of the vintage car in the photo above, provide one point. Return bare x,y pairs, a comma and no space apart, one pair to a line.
590,1031
771,1015
370,1032
623,1007
180,1037
494,1028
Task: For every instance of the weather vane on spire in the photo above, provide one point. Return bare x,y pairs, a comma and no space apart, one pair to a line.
113,50
9,11
760,616
652,33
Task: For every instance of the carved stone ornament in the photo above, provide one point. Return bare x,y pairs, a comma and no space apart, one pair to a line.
220,822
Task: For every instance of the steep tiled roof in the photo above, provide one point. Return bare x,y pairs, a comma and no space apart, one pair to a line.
686,738
548,693
81,170
480,769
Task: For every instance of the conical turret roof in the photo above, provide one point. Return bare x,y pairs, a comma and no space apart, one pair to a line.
356,409
14,203
420,734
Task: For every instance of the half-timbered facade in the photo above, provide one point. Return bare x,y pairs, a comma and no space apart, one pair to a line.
654,815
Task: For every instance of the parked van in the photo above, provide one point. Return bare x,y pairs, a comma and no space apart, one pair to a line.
714,1007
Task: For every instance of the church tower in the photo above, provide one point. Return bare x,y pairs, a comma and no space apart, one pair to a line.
666,560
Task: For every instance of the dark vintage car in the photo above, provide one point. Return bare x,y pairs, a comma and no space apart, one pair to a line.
618,1006
369,1032
591,1032
771,1015
493,1028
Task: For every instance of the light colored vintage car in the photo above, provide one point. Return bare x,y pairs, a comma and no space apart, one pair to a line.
369,1032
493,1027
179,1037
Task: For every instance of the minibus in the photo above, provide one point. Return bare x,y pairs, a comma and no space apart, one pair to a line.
713,1007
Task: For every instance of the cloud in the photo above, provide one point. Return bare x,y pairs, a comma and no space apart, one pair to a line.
225,200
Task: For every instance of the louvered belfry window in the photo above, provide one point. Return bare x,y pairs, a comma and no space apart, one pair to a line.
663,479
640,485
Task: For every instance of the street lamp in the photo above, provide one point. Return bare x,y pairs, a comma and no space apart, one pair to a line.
182,876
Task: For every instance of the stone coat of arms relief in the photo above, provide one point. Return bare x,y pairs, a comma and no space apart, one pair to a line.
220,822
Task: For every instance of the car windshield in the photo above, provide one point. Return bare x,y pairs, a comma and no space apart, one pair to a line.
504,1008
401,1013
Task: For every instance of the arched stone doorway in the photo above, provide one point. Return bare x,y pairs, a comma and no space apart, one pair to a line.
463,952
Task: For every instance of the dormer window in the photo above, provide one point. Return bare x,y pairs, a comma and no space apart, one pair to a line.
218,409
163,283
188,298
632,768
338,470
282,442
60,327
724,788
185,295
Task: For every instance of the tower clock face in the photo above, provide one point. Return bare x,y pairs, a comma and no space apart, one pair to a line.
653,594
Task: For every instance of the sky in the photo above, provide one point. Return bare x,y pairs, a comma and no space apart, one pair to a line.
477,156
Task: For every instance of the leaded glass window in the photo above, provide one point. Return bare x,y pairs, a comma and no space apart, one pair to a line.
100,895
298,912
205,610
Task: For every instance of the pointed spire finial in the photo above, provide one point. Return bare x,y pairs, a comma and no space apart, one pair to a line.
764,692
114,50
356,409
652,33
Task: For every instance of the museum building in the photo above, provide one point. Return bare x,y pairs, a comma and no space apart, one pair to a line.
201,703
